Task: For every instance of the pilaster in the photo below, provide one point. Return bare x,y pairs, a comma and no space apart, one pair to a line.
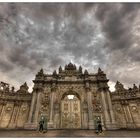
113,122
105,111
89,102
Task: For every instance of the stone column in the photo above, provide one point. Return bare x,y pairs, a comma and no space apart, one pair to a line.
17,115
114,125
89,101
30,123
34,96
130,123
1,106
125,114
37,107
57,115
105,110
85,118
12,123
2,111
50,123
110,108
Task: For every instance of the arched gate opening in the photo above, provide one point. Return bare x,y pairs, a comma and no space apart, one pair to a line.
70,111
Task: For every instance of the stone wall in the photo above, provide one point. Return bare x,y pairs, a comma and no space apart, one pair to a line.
14,106
21,109
126,106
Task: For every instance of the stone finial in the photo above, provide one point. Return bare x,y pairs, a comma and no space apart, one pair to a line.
100,71
12,89
74,66
86,72
60,69
66,67
54,73
40,75
80,69
4,86
41,72
24,88
119,86
134,86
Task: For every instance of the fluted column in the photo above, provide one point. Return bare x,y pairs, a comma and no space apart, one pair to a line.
110,108
32,119
105,110
1,106
131,121
34,96
37,107
125,114
50,123
89,101
128,115
17,114
2,111
53,89
85,116
12,123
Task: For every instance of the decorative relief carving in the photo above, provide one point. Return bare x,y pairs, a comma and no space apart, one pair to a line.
65,106
8,109
134,109
24,109
118,109
3,102
97,107
75,106
45,102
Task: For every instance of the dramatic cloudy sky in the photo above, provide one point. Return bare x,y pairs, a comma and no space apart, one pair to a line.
47,35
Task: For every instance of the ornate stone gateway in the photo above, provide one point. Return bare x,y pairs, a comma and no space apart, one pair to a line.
70,112
70,99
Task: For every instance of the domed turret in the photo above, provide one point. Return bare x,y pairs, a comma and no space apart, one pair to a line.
86,72
80,69
60,69
70,66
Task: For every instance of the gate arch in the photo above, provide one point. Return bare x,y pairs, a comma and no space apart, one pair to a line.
70,111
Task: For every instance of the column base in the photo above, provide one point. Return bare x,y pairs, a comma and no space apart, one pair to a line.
130,125
111,126
12,125
91,124
50,125
31,126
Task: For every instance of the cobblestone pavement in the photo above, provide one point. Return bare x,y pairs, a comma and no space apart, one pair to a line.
69,133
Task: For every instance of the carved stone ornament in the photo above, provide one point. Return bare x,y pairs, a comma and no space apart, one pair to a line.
134,109
8,109
24,109
96,105
45,103
118,109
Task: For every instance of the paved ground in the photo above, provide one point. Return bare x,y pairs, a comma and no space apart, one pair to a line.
69,133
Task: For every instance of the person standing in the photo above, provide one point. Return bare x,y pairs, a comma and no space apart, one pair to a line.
100,130
41,123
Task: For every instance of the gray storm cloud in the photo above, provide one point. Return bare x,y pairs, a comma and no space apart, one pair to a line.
46,35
